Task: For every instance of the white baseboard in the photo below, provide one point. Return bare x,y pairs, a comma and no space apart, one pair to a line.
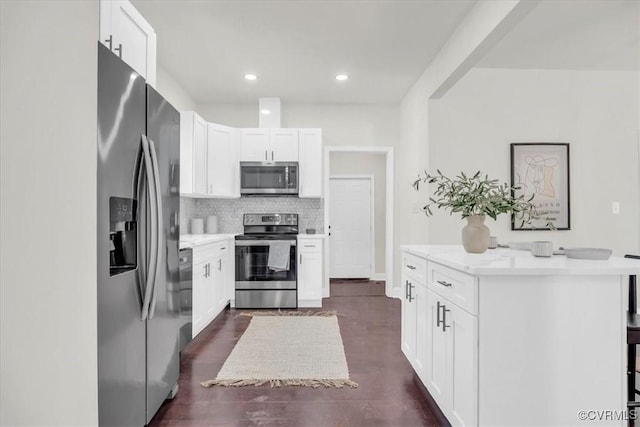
395,293
379,276
310,303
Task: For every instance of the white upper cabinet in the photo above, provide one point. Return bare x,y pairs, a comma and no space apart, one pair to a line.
222,162
193,154
125,31
310,162
255,145
284,145
269,145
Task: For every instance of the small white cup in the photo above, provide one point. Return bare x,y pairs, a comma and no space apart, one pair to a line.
493,242
197,226
542,248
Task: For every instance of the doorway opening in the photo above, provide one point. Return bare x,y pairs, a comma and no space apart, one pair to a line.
358,221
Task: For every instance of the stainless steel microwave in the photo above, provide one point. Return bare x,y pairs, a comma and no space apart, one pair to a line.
269,179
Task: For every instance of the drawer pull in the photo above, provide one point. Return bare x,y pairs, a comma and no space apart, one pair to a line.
223,248
309,246
443,283
410,267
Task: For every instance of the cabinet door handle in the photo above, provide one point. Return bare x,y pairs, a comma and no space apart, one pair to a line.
300,259
265,155
110,41
444,318
119,50
439,306
411,298
406,289
271,155
205,270
219,265
410,267
443,283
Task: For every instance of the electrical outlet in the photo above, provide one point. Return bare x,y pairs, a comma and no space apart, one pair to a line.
615,208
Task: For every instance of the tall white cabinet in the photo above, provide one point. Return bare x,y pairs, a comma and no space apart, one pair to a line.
310,162
193,154
222,162
125,31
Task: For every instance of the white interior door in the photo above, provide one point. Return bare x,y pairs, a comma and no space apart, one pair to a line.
350,219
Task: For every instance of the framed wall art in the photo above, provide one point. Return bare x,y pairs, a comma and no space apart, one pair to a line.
541,169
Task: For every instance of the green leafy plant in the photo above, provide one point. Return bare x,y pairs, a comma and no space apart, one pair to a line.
477,195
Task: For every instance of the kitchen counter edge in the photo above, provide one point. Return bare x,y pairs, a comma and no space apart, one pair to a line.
509,262
193,240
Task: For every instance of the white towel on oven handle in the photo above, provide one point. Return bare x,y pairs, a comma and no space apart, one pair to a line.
279,258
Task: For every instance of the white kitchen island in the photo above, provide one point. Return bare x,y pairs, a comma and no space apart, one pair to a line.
504,338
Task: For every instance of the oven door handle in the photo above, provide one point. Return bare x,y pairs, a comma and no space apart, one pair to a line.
260,242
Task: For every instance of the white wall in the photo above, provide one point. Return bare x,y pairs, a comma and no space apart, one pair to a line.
472,126
481,28
344,163
48,325
342,124
172,91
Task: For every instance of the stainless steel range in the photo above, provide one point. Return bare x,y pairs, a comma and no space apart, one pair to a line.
266,254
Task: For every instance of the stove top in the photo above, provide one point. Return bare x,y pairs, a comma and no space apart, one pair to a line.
269,227
273,236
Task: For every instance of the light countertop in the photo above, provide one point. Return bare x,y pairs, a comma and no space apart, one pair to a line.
516,262
191,240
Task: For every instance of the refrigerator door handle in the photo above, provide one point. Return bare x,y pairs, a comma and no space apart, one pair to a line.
159,223
153,218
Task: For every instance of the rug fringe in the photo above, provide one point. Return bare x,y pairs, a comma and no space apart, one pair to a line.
327,313
335,383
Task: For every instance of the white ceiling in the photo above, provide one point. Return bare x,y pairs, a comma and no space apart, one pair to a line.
297,47
572,34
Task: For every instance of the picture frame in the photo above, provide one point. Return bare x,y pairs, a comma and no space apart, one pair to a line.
541,169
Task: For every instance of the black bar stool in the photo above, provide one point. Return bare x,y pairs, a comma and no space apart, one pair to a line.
633,339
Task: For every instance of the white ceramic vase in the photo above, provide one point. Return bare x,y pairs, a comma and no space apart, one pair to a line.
475,235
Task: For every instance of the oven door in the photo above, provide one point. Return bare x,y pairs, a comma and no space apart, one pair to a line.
268,178
252,271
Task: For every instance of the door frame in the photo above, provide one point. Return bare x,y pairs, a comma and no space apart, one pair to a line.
389,186
372,232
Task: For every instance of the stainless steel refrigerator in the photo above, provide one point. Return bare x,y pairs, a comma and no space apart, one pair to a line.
138,234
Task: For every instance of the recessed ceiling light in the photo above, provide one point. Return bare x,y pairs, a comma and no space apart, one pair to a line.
342,77
265,112
250,77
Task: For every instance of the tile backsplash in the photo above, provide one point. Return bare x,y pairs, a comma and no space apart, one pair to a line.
230,211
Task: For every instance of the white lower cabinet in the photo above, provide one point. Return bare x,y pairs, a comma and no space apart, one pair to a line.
440,339
414,313
452,374
213,275
310,263
201,296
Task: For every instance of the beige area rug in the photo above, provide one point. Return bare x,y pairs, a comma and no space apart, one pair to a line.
287,349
